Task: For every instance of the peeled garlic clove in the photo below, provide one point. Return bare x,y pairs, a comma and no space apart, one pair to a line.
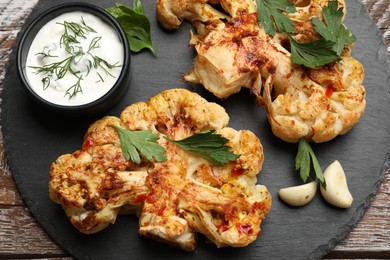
336,192
298,195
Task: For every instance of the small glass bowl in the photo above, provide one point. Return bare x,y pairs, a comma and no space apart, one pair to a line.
100,105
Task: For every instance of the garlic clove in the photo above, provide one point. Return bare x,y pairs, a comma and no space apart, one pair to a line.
298,195
336,192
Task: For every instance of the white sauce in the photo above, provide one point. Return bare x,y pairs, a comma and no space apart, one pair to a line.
93,87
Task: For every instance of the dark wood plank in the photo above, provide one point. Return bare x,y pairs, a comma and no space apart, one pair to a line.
371,236
20,235
380,13
8,192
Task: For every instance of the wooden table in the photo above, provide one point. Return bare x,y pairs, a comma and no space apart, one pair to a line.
22,237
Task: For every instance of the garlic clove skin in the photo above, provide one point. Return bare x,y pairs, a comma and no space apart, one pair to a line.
298,195
336,192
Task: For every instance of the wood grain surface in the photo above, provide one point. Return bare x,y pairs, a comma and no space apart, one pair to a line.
22,237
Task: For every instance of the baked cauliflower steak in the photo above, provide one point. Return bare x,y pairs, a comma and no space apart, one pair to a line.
233,51
176,198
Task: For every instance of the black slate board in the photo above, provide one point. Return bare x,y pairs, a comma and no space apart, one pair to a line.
33,139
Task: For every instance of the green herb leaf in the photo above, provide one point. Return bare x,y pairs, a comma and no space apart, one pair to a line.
208,145
69,40
302,162
271,16
335,37
138,7
144,142
135,24
312,54
333,29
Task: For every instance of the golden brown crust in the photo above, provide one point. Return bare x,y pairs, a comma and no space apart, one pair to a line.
315,104
176,198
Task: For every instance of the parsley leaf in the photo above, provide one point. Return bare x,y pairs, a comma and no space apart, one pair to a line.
208,145
271,16
312,54
302,163
135,24
334,35
333,29
144,142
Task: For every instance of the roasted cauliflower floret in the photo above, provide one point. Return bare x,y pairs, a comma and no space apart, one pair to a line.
233,51
175,114
176,198
92,193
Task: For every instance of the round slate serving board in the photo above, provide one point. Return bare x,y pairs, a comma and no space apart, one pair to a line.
34,138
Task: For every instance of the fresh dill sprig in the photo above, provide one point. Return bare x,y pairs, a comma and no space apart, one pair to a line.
98,61
45,55
72,31
76,88
59,69
70,42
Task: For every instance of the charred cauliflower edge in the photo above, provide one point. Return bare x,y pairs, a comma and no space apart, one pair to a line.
234,52
173,199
